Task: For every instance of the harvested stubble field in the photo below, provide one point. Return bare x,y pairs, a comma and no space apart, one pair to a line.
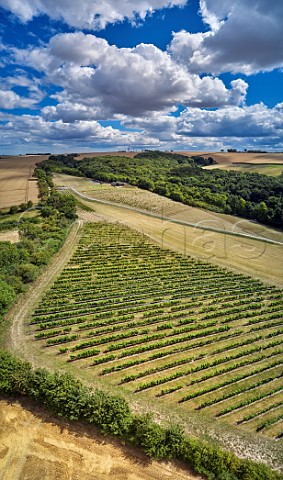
36,446
165,327
16,185
241,157
266,163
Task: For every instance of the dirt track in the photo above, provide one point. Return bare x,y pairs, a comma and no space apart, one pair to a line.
245,255
10,236
16,338
35,446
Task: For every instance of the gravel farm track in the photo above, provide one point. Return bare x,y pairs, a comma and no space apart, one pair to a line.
21,310
35,445
256,448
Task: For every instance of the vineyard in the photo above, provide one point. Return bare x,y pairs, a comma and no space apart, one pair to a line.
180,330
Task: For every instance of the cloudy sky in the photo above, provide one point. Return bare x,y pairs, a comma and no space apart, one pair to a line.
121,74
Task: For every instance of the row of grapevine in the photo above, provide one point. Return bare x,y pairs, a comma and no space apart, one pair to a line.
210,337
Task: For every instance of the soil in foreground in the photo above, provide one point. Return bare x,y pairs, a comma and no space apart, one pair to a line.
34,446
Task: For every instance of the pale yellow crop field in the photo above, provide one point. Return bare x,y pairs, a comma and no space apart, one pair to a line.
265,163
16,183
240,157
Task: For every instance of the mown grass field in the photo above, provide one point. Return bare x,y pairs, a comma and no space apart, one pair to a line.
249,256
151,202
176,329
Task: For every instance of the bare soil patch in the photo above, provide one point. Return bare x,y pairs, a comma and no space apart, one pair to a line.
16,183
34,446
11,236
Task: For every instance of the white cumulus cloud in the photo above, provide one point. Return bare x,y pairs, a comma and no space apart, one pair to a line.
248,121
34,130
245,36
88,14
123,81
249,125
9,100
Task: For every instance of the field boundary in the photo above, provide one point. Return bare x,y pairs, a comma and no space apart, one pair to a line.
178,222
17,315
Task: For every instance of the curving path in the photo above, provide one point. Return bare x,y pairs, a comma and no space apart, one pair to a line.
26,303
170,219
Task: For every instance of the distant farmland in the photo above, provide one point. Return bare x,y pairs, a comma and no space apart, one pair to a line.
178,330
265,163
220,157
16,183
241,157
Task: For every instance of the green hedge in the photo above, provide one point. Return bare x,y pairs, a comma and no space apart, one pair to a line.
65,396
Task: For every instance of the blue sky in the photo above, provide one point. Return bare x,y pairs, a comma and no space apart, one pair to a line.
154,74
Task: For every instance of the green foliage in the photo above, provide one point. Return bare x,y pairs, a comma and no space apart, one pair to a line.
15,375
7,297
28,272
183,179
9,255
202,161
65,396
174,439
110,413
40,237
150,436
63,203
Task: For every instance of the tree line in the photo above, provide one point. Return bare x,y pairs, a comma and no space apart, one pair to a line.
41,236
180,178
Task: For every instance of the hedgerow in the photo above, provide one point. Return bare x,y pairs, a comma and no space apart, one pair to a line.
67,397
159,317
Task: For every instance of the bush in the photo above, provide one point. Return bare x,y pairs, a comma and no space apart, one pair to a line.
110,413
150,436
15,375
65,396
